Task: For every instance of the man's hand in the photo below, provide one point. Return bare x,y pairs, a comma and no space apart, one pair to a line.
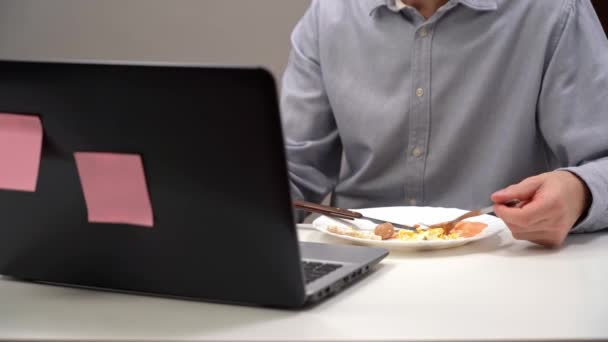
552,203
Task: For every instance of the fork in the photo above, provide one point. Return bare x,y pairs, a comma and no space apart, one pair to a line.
449,225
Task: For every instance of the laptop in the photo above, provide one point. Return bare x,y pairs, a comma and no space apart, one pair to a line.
209,142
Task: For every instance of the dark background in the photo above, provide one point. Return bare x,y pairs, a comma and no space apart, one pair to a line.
601,7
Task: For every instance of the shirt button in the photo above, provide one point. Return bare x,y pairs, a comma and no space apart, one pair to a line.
417,152
413,201
419,92
423,32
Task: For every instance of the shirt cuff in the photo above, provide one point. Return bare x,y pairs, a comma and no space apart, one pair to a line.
592,220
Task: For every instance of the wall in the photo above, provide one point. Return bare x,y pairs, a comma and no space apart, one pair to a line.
200,31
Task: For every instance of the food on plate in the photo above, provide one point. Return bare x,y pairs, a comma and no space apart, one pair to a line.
353,232
386,231
468,228
426,234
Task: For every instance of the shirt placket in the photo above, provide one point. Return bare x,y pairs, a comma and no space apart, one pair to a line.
419,118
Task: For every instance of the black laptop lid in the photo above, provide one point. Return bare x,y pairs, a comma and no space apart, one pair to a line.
212,150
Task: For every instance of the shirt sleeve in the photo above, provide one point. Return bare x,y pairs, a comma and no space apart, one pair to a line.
312,142
573,106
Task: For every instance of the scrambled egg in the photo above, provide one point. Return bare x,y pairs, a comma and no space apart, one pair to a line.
425,234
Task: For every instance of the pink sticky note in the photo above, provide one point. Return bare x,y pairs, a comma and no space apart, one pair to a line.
115,189
20,146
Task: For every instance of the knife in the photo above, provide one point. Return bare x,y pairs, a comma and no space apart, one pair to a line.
344,213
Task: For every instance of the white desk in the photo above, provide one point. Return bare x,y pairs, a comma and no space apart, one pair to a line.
495,289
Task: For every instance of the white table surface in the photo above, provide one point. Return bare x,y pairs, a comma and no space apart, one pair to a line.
498,289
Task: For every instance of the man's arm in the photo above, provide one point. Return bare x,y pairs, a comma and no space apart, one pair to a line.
311,137
573,119
573,107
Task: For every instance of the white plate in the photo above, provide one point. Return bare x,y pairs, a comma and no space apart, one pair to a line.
410,216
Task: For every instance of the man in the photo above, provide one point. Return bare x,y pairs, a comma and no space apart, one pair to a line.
444,102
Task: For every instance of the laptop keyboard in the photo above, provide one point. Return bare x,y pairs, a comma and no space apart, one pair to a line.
315,270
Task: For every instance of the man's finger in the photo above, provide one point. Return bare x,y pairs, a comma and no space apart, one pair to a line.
545,238
516,231
539,227
529,215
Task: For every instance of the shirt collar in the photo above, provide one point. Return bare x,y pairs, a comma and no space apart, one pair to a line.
479,5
